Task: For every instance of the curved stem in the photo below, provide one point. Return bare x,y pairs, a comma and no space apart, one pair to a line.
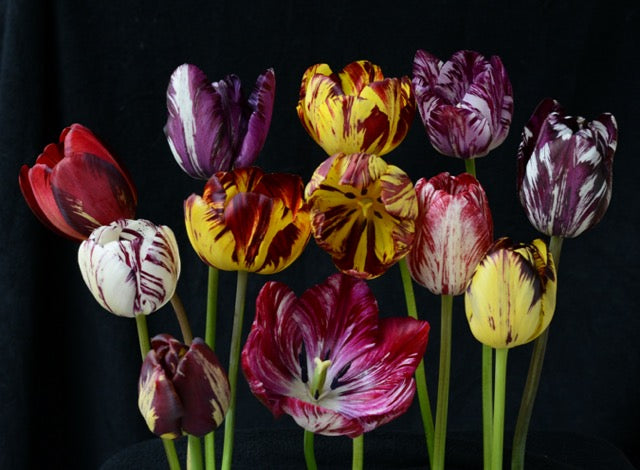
498,410
487,403
145,346
444,370
470,166
421,379
194,453
309,454
210,339
183,321
234,362
533,380
358,453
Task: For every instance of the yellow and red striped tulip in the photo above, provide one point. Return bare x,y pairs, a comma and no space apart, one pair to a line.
249,220
511,297
363,212
355,110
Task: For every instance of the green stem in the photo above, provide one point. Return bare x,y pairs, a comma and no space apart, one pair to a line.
533,380
498,410
358,453
442,404
210,339
470,166
309,454
234,362
421,379
487,403
183,321
145,346
194,453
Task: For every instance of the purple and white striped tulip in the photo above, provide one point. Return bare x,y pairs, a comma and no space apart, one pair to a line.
212,127
465,104
454,230
565,169
130,266
327,360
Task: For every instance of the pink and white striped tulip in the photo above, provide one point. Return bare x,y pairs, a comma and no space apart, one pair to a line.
130,266
454,230
327,360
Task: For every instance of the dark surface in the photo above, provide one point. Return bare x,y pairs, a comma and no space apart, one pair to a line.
383,450
69,369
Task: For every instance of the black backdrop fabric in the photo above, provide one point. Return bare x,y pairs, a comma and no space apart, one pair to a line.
69,369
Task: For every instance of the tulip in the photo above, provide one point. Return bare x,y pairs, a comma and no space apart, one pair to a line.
182,389
454,231
248,220
76,185
363,212
356,110
211,126
511,297
565,169
327,360
130,266
465,104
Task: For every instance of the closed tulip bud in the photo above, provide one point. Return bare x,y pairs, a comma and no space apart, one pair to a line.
248,220
512,294
76,185
565,169
182,389
212,126
454,230
355,110
465,103
130,266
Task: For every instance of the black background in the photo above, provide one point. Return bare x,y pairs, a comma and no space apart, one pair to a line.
69,369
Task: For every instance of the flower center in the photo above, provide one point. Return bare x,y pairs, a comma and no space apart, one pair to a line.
319,377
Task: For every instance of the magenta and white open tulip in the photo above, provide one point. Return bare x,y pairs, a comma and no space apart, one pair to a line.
182,389
465,103
327,360
565,169
212,126
130,266
454,230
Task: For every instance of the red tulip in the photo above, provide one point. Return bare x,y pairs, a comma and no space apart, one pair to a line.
454,230
76,185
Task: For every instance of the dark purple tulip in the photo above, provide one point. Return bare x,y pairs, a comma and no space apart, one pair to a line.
565,169
465,104
182,389
211,126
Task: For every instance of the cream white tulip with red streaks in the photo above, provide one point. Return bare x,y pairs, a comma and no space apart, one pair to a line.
130,266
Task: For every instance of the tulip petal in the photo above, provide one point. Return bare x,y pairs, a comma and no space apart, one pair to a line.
157,399
319,420
194,129
203,383
261,107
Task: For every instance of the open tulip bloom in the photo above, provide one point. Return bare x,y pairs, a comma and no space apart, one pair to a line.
363,212
327,360
465,103
130,266
182,389
212,126
565,169
57,192
355,110
248,220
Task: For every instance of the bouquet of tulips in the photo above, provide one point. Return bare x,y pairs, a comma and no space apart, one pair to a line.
325,357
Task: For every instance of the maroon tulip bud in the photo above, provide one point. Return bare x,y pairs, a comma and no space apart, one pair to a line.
565,169
182,389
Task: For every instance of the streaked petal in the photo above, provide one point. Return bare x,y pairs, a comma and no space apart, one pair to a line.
319,420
